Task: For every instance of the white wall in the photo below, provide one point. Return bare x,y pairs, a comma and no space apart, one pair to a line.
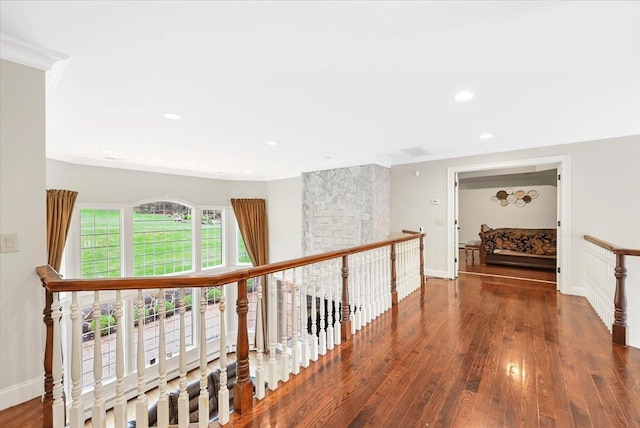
606,203
284,205
475,208
113,185
23,212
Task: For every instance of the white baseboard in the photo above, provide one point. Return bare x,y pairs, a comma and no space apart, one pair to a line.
436,273
578,291
21,392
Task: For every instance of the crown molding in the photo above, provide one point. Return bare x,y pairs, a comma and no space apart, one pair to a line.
31,55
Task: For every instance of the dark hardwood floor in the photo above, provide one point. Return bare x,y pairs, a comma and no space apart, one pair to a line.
475,352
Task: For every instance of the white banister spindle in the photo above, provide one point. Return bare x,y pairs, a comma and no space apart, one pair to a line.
260,372
313,287
353,293
183,398
329,333
295,320
369,289
203,399
142,417
378,281
76,414
337,328
286,366
601,282
223,392
272,332
98,413
163,399
322,335
306,345
56,372
120,409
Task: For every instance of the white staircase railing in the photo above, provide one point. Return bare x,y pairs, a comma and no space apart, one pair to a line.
313,304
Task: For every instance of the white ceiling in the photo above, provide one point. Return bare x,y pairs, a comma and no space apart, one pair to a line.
334,83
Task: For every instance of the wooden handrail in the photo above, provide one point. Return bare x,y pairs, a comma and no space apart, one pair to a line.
243,390
611,247
53,282
619,328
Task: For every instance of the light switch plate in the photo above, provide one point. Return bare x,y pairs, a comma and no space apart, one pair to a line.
9,243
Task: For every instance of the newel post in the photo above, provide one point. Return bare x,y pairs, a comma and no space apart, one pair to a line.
394,291
345,325
47,399
243,389
619,328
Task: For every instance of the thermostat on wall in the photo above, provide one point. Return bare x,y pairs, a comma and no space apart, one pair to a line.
435,201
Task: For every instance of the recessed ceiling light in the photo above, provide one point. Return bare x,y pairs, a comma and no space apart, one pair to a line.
271,143
172,116
106,152
247,172
486,135
464,96
191,164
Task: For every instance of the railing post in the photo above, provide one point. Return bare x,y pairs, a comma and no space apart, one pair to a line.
243,389
345,325
47,400
619,328
423,279
394,291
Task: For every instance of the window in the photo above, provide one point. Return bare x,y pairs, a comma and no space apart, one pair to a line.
243,255
162,239
211,241
100,243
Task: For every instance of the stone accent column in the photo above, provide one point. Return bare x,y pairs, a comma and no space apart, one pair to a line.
344,207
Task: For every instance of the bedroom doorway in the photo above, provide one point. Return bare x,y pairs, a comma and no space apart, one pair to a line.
561,163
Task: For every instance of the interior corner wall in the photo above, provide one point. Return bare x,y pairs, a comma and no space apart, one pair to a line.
284,207
22,212
605,204
344,207
476,208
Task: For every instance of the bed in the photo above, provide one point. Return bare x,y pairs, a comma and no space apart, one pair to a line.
532,248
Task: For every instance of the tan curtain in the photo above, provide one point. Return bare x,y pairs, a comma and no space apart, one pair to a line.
59,208
251,215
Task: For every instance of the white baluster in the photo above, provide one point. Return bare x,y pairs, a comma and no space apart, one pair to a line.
313,339
353,293
120,409
306,352
329,333
337,328
369,289
223,393
285,367
163,399
56,371
76,414
260,372
272,319
98,413
322,337
142,417
295,321
378,290
203,399
183,398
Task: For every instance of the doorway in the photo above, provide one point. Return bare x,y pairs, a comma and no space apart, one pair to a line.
562,164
